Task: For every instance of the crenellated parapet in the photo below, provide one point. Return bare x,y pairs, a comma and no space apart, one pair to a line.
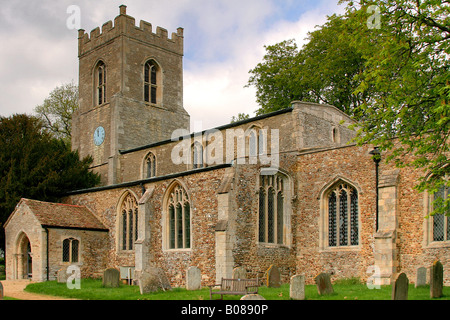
124,25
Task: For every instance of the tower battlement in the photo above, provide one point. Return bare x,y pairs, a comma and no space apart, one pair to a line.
125,25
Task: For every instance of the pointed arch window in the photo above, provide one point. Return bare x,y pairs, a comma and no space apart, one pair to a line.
179,219
100,83
197,155
271,209
342,215
150,166
128,222
440,221
151,79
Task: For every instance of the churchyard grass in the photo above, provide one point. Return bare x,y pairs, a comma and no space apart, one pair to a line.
92,289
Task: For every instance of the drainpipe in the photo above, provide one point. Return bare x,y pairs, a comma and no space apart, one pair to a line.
48,271
376,156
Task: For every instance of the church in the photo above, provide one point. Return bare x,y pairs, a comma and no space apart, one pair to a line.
287,188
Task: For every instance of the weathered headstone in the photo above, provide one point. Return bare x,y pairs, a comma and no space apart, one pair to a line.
1,291
297,287
252,297
400,288
193,278
153,279
239,273
111,278
436,279
421,278
323,282
273,277
61,275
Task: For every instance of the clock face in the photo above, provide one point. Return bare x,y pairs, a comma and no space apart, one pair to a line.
99,136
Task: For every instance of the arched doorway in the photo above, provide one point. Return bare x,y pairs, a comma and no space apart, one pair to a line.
24,258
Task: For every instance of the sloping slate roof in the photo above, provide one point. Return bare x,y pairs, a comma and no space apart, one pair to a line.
60,215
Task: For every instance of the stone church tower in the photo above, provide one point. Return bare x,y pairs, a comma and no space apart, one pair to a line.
130,89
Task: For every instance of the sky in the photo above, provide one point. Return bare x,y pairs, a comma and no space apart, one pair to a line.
223,41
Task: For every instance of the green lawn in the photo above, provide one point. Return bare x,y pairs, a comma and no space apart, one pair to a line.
344,290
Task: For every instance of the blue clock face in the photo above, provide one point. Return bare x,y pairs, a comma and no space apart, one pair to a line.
99,136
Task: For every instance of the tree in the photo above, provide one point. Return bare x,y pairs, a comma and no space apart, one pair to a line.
407,75
240,117
35,165
56,111
322,71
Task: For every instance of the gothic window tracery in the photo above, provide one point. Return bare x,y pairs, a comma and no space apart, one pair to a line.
179,219
150,166
151,85
271,209
343,215
128,222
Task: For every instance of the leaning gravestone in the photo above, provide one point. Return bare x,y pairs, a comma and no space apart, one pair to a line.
436,279
297,287
273,277
153,279
193,279
421,279
400,287
323,282
239,273
111,278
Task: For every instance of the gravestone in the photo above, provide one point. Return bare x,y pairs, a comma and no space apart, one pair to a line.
239,273
421,279
1,291
400,288
323,282
153,279
111,278
273,277
61,275
252,297
193,278
297,287
436,279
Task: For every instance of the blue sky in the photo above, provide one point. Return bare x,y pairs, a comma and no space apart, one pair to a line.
224,39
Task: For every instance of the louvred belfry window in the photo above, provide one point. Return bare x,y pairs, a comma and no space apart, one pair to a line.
100,78
151,82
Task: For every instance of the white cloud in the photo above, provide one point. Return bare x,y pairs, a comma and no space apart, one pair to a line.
223,41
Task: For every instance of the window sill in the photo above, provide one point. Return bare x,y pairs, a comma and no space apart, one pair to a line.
177,250
340,249
272,245
438,244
